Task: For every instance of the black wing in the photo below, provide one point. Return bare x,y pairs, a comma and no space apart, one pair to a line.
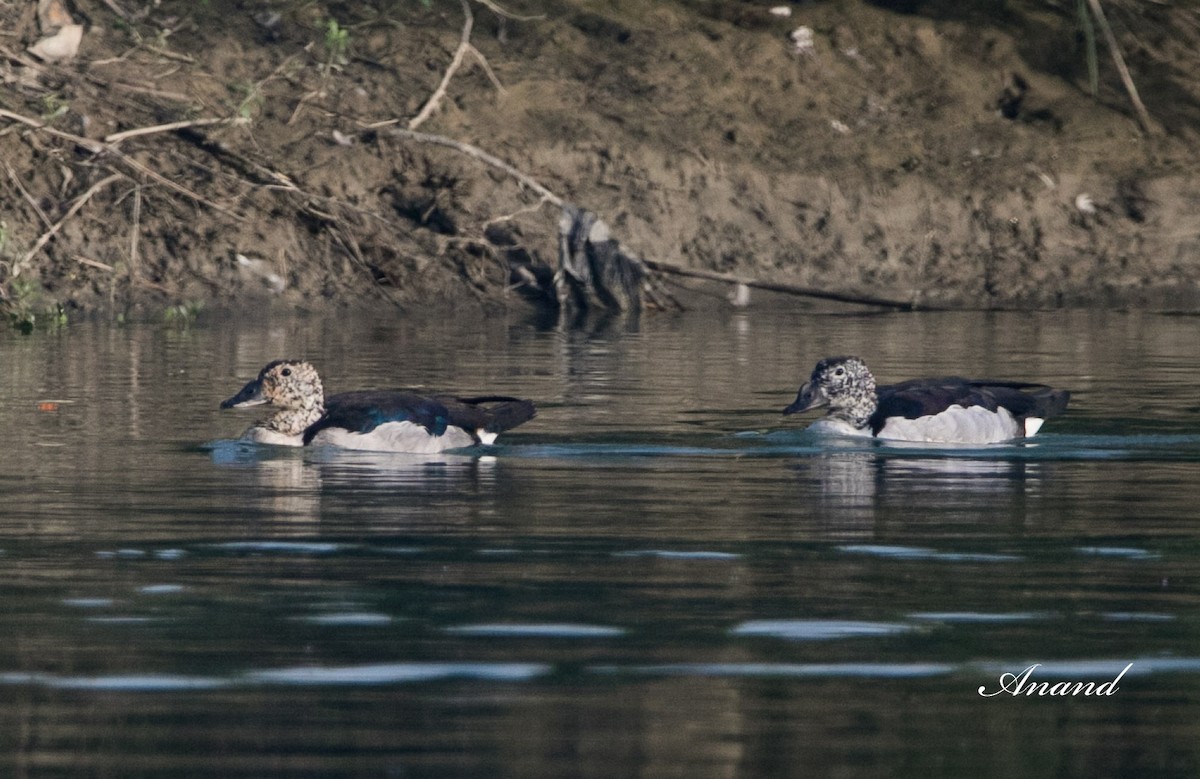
362,412
922,397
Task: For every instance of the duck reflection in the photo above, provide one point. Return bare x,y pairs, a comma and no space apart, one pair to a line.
274,482
301,489
430,473
856,493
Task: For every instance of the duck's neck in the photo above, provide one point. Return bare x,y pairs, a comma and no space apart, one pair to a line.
294,421
857,411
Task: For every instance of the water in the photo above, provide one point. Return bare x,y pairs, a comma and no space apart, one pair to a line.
658,576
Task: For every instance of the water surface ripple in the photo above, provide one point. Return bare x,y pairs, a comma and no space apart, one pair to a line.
658,576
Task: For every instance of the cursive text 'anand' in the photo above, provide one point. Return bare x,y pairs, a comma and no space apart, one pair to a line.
1023,684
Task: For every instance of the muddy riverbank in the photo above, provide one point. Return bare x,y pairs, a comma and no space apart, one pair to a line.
943,153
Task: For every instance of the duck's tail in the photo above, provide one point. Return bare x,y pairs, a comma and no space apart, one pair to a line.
491,413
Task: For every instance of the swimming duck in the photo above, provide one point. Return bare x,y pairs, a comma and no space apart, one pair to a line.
942,410
372,420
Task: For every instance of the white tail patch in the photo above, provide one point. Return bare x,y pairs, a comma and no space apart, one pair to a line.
1032,426
486,437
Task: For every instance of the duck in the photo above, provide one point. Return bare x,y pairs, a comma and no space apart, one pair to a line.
370,420
934,410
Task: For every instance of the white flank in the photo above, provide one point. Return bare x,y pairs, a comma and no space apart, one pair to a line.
396,437
486,437
1032,426
955,425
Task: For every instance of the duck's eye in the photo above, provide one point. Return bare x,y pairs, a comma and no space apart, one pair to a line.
286,371
839,372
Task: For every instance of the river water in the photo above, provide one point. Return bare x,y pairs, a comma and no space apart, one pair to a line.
657,576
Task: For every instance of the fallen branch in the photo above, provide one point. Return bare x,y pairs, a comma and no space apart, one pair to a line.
1118,60
74,209
95,147
789,289
660,267
25,194
164,128
99,147
477,153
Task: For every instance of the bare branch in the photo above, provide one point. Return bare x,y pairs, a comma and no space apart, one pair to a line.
1118,60
487,68
25,194
74,209
98,147
165,128
790,289
496,9
479,154
464,46
519,212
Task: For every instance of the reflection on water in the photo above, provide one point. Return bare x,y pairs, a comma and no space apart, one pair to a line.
659,575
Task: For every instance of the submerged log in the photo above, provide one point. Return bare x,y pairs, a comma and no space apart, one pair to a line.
594,272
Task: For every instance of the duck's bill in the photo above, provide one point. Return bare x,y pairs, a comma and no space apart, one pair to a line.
251,395
808,398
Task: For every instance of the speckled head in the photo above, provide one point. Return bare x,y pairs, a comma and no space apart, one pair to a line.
293,387
845,385
283,383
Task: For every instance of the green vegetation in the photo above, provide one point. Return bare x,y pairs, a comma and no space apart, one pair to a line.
53,106
183,314
26,310
336,40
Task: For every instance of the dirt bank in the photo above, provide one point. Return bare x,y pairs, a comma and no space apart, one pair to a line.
938,152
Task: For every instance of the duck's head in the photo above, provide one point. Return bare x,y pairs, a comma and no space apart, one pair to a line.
287,384
844,384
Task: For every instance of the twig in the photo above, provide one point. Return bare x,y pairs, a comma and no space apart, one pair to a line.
496,9
352,248
519,212
118,10
134,233
790,289
163,128
95,147
1119,61
477,153
179,97
464,45
171,55
74,209
79,258
283,65
25,194
131,162
98,147
487,68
